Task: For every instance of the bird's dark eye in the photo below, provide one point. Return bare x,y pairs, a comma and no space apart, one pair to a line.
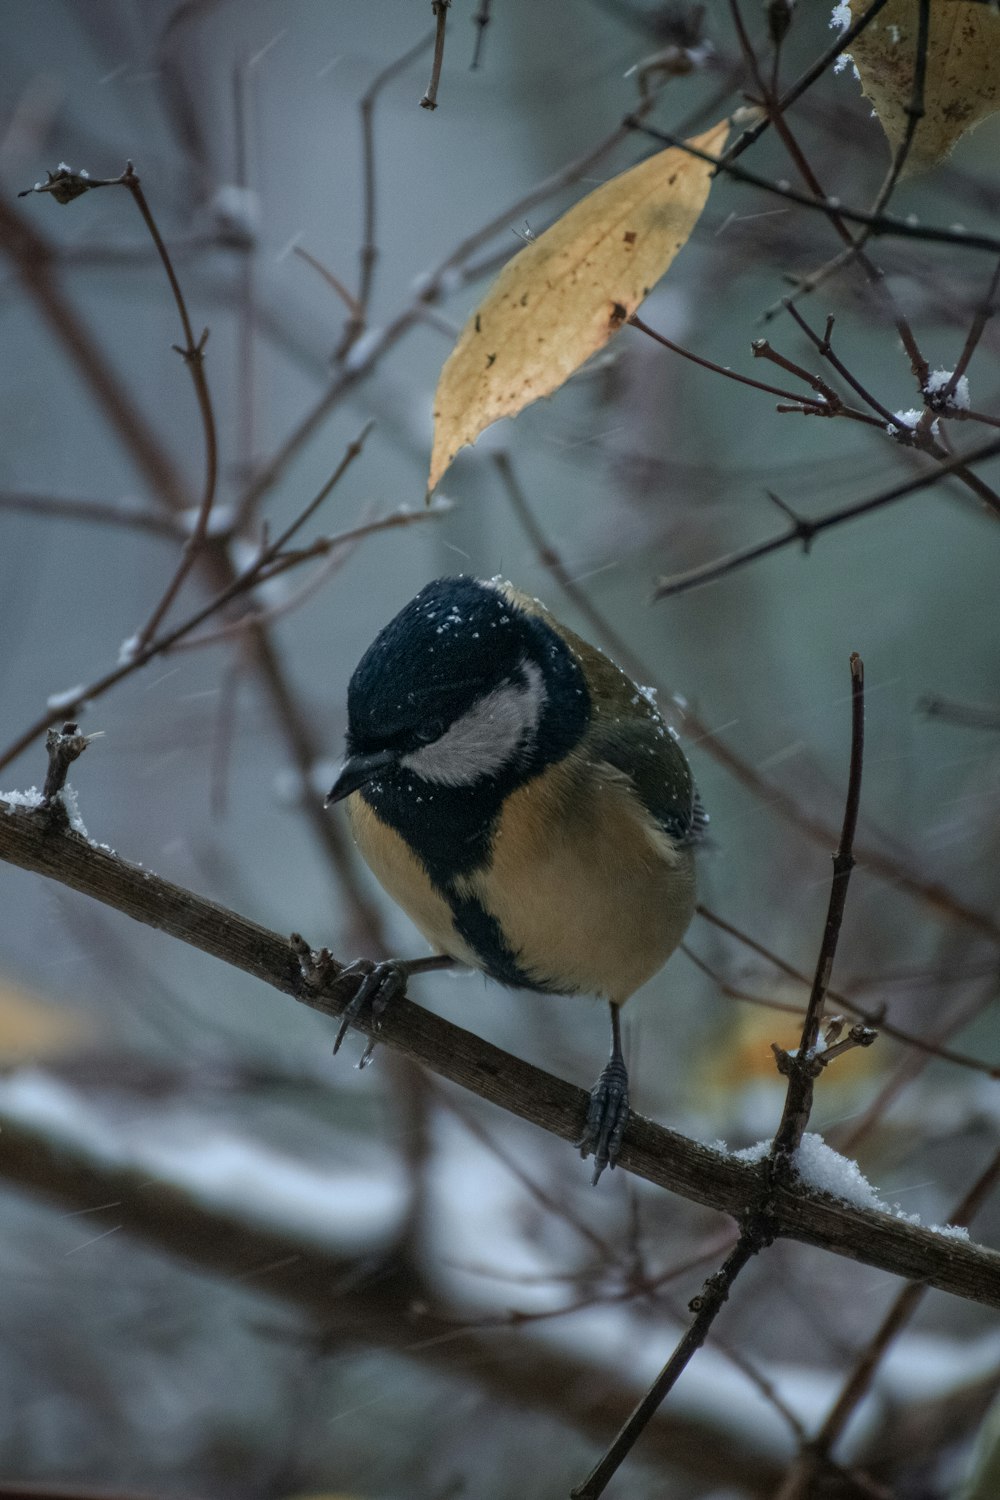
429,732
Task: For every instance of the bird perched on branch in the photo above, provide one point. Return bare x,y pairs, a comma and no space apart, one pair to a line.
524,802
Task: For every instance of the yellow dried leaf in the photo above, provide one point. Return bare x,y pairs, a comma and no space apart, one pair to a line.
563,296
962,81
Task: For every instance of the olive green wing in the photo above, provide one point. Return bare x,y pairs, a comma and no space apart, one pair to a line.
628,732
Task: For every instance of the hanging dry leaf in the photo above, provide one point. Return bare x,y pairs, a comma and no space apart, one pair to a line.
563,296
31,1028
962,81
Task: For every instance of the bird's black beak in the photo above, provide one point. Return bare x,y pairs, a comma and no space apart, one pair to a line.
357,771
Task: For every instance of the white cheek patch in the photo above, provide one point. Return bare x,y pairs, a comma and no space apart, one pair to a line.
495,731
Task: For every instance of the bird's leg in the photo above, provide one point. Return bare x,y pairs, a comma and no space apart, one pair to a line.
608,1110
381,984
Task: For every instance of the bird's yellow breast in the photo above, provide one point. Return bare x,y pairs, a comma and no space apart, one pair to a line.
403,876
589,894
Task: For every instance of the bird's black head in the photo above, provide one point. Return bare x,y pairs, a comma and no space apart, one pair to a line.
464,696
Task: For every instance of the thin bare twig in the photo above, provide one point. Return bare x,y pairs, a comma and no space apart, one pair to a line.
63,747
335,1294
193,353
836,406
335,549
368,253
735,992
984,312
824,347
33,258
843,1001
805,531
962,414
804,1067
298,730
880,224
912,1065
122,513
921,435
480,20
806,80
350,302
136,656
706,1307
432,287
914,114
65,186
245,367
630,1289
829,406
440,9
873,274
510,1161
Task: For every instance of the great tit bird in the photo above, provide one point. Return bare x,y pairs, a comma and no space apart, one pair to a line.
525,804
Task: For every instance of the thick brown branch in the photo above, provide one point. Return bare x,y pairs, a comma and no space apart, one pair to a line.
660,1156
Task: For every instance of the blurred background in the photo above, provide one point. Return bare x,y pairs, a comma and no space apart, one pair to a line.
234,1266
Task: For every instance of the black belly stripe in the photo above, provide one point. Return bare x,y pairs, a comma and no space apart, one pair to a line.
481,930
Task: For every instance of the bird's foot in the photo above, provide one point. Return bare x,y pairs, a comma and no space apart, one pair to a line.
380,984
607,1115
